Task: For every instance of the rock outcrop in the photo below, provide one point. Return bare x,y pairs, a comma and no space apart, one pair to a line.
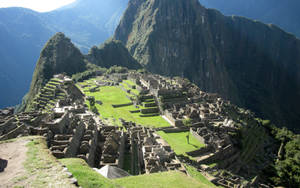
250,63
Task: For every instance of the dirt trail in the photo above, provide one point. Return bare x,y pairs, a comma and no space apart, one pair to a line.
15,153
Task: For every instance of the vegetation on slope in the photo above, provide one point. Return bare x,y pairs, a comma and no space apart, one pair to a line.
112,52
286,170
86,176
58,56
92,71
193,172
171,179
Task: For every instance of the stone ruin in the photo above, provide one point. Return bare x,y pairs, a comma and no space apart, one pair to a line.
152,154
210,119
73,131
15,125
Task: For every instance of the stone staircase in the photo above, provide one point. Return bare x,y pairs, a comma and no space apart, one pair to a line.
49,95
60,144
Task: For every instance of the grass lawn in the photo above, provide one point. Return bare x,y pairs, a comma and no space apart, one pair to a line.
198,176
127,83
178,142
113,95
86,176
171,179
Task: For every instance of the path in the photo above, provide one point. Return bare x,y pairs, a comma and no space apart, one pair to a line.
15,153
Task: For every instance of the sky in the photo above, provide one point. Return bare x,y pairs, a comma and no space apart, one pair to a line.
37,5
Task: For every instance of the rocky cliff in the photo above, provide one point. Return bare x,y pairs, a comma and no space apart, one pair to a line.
58,56
252,64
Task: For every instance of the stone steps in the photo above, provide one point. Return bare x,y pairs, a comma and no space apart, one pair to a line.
60,142
58,154
60,137
59,148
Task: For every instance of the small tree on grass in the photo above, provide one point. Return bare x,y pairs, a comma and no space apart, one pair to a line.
92,101
187,122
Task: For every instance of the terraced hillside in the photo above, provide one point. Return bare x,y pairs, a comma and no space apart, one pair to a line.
114,102
49,95
164,132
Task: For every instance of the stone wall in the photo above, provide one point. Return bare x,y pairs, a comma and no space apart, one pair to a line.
121,105
200,151
149,110
7,126
59,125
175,122
197,136
221,154
14,133
75,141
122,150
93,148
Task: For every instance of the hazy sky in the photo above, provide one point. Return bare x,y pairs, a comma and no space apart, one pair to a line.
37,5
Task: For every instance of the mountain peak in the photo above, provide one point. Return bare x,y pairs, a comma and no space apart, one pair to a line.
226,55
59,55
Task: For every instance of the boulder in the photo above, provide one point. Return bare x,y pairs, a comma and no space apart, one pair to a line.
3,164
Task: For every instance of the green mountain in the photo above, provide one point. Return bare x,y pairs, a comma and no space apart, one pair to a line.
58,56
110,53
250,63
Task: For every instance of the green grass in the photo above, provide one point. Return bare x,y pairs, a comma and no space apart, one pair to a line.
42,165
198,176
113,95
179,144
86,176
41,168
170,179
129,82
126,86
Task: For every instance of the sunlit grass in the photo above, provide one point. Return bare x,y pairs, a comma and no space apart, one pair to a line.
109,95
179,142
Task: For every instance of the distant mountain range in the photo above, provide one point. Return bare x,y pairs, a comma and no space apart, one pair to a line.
24,32
284,14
